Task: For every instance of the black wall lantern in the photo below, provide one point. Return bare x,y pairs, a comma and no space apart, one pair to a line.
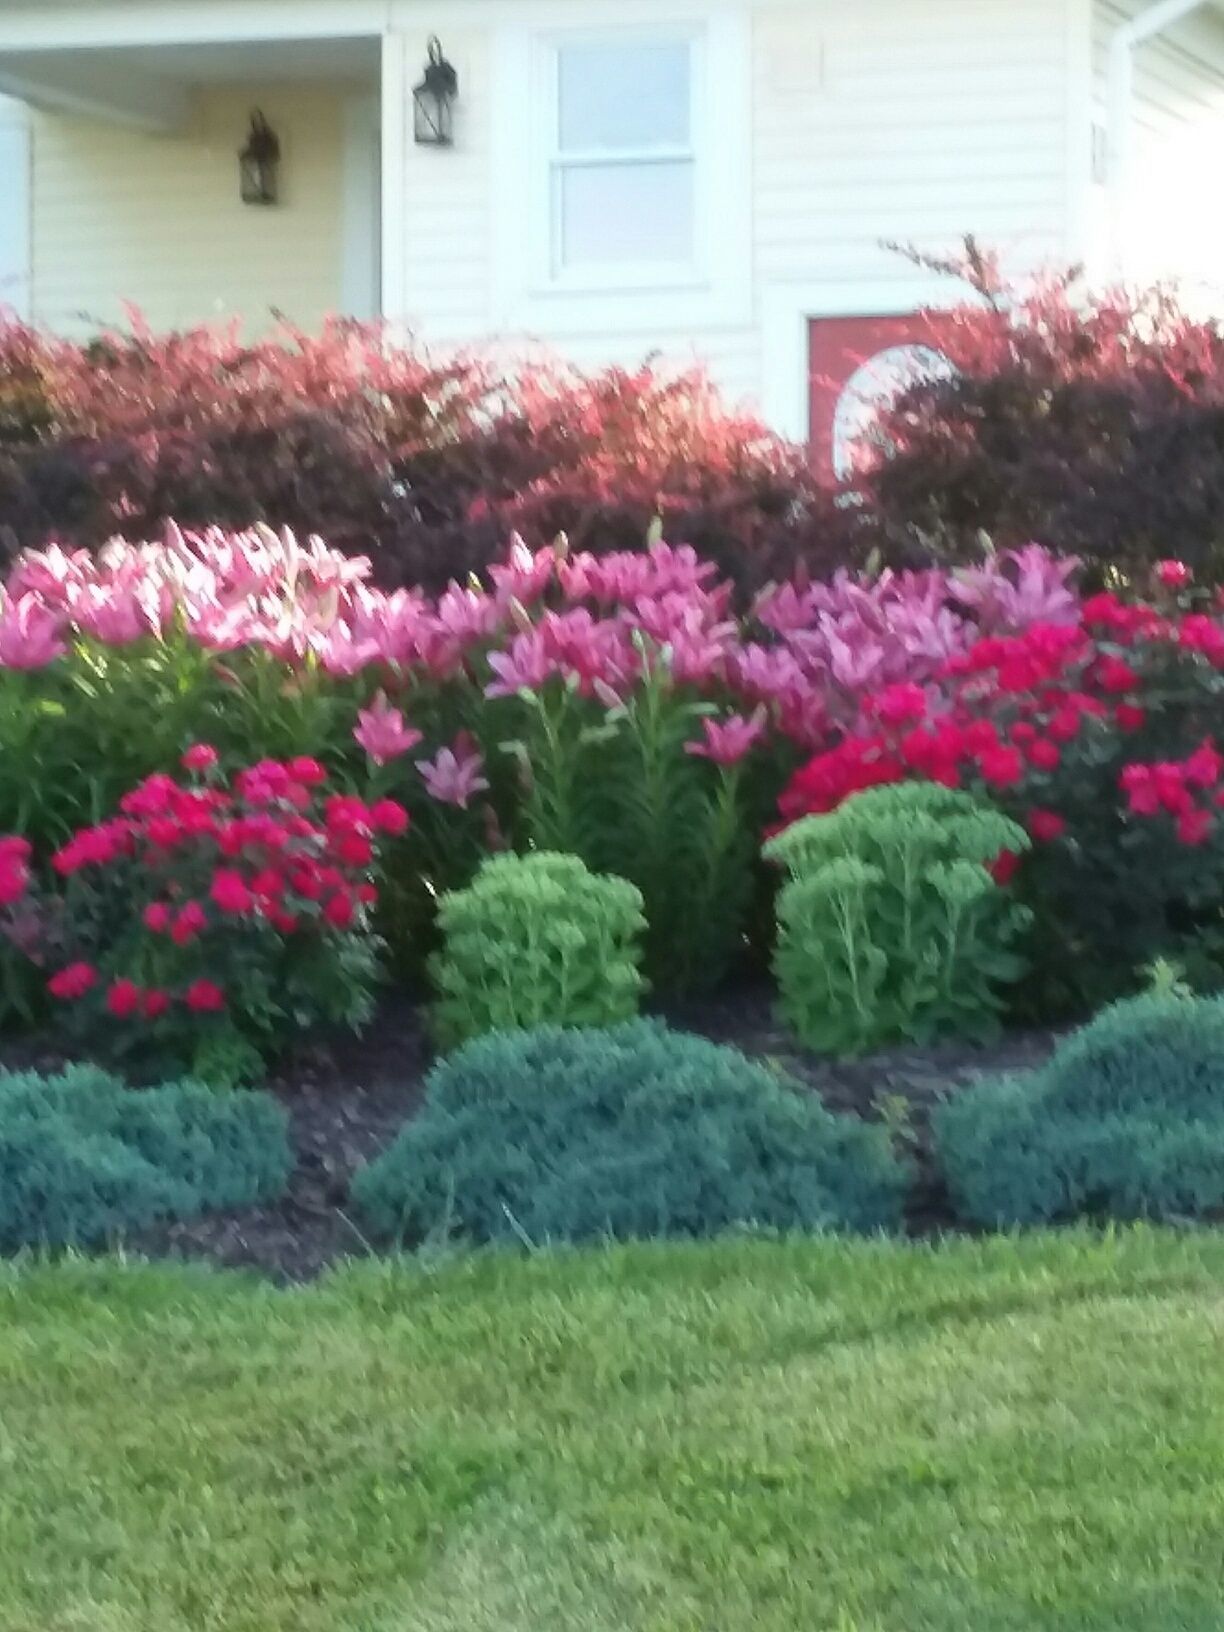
259,163
433,100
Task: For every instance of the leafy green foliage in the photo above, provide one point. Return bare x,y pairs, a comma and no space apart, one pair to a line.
623,788
556,1135
536,940
892,926
84,1158
1127,1121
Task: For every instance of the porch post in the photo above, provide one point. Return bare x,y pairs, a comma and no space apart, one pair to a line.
394,138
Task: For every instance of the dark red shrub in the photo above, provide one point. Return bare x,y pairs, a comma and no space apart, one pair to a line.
428,466
1092,422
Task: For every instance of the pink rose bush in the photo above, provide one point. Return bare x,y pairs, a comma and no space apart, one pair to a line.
211,917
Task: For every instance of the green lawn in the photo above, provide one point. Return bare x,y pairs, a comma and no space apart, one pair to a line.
753,1437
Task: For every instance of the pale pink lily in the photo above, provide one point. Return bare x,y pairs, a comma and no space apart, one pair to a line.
342,653
452,776
118,614
381,731
727,741
53,574
324,567
29,634
225,628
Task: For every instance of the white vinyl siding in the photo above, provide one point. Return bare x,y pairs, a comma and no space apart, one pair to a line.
15,163
1174,228
899,120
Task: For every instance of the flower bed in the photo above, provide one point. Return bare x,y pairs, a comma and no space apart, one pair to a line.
240,767
613,708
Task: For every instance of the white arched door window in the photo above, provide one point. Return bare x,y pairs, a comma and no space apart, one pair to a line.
859,365
14,208
877,383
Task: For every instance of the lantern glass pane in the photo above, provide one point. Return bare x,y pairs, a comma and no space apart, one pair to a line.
431,117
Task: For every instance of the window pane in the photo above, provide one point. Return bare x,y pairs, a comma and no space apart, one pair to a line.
618,213
624,96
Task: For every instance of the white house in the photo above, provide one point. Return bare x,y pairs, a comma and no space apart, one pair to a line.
709,177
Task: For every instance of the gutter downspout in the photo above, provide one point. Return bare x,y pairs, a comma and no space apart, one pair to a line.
1120,96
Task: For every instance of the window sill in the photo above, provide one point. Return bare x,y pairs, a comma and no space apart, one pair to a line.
562,310
689,281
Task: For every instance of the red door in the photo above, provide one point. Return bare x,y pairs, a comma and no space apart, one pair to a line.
857,364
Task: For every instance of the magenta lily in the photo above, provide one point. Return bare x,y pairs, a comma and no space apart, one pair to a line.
727,741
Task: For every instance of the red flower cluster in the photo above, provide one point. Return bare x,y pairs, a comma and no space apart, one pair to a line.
14,869
1188,790
1007,714
204,862
1010,706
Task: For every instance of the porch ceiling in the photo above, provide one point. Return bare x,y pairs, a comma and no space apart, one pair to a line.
149,87
253,61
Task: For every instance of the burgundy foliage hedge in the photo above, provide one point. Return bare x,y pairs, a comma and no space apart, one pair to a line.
1093,422
425,465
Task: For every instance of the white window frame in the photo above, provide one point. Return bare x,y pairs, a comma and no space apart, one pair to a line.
531,292
15,129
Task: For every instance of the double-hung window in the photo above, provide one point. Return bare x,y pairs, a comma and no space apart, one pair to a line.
623,206
622,181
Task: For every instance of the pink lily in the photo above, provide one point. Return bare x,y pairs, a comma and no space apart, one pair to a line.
524,577
29,635
453,776
51,574
343,653
525,666
119,614
727,741
382,733
784,608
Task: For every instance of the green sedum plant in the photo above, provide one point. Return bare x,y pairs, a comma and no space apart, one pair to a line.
892,926
536,940
1126,1121
84,1158
633,1131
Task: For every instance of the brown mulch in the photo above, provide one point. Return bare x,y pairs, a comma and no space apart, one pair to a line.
348,1097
